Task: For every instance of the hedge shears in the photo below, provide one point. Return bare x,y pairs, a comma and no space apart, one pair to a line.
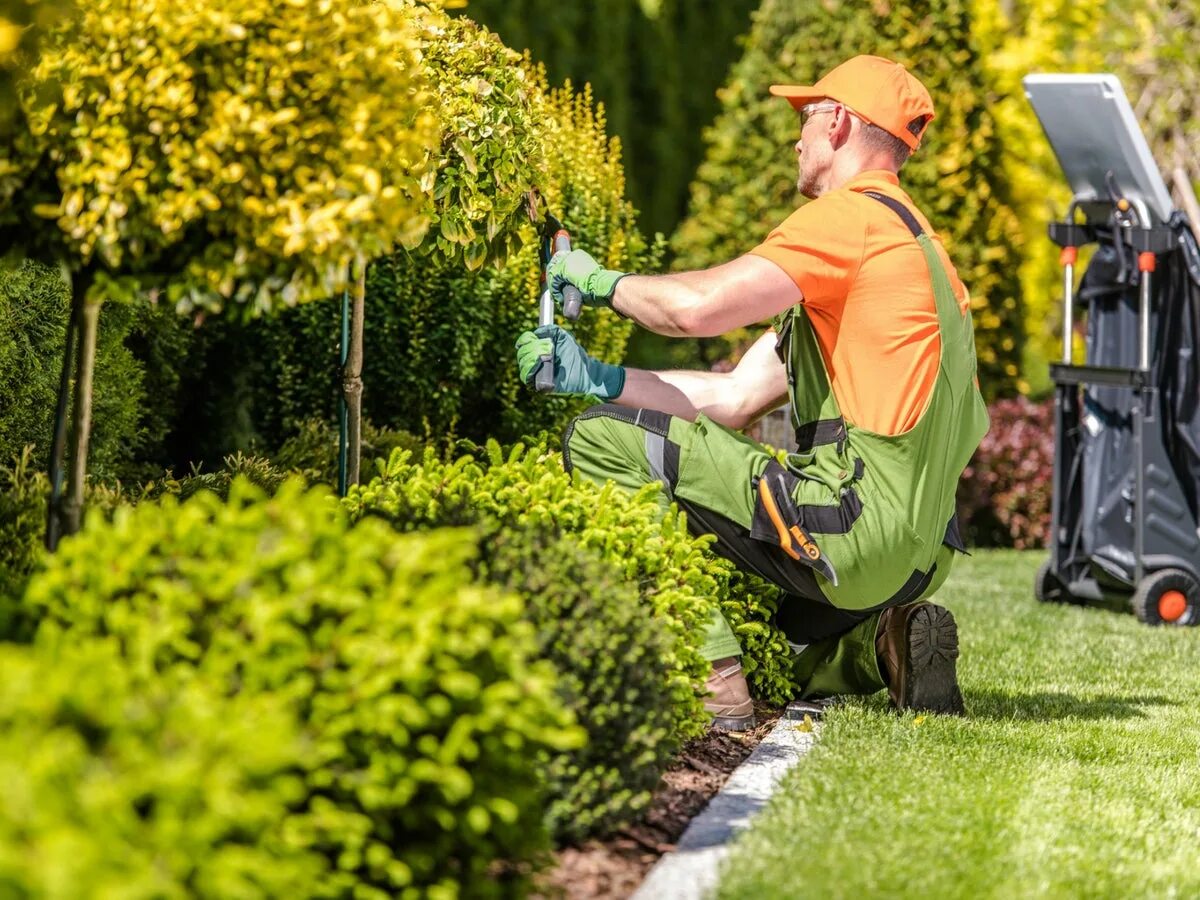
552,239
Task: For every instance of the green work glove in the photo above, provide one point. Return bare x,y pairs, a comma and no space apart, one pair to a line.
577,267
574,371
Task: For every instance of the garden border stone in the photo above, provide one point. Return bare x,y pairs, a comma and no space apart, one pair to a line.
692,870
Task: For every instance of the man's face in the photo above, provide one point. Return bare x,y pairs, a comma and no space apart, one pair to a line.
814,150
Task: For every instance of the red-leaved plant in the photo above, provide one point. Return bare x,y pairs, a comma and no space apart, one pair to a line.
1004,496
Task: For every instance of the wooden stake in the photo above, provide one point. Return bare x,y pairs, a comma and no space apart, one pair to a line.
352,384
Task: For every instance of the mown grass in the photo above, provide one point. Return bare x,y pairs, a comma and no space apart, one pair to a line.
1075,774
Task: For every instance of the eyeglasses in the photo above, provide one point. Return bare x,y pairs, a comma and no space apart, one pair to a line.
813,109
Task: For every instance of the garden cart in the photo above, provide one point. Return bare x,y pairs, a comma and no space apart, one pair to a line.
1124,517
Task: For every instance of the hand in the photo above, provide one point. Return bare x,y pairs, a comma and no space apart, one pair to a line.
574,371
578,268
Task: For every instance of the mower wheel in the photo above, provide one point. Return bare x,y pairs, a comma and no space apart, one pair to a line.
1167,597
1047,588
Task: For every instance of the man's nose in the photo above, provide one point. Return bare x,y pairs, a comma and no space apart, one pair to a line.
798,147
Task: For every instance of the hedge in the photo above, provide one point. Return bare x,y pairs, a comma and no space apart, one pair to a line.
119,786
612,660
746,184
678,580
416,691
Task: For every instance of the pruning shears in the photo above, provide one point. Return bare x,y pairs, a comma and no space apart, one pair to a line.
552,239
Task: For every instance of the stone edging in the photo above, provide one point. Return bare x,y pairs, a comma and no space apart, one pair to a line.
691,871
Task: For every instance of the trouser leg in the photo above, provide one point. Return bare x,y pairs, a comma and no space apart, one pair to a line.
604,448
835,647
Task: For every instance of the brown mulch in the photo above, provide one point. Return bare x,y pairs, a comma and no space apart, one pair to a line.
614,867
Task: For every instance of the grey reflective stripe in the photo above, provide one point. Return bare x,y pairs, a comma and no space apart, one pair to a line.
656,447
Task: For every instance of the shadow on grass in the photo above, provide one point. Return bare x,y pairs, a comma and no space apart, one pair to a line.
1046,707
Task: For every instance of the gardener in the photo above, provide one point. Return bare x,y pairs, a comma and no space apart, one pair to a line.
871,344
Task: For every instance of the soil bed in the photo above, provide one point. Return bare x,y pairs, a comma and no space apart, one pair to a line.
615,866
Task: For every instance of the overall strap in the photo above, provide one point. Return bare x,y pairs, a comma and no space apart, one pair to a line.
957,360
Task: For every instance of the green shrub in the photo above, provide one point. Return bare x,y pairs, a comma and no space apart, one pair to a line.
313,449
415,688
34,307
749,604
23,498
528,488
115,786
746,184
24,493
611,656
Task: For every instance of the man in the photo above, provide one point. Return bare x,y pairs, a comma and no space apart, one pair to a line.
871,343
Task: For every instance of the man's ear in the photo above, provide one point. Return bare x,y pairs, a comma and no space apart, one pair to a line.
839,127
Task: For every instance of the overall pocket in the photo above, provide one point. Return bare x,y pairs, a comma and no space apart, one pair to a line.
780,521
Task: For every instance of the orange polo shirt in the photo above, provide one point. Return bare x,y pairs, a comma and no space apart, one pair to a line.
868,295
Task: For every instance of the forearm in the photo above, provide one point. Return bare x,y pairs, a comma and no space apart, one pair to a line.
686,393
665,304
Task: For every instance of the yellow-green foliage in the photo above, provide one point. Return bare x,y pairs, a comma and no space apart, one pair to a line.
746,185
1150,45
423,709
122,787
439,359
491,152
243,152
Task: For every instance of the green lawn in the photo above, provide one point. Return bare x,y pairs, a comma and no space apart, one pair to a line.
1075,774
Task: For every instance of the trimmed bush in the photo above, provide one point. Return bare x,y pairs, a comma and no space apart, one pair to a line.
678,580
1005,495
527,488
612,659
415,688
115,785
746,185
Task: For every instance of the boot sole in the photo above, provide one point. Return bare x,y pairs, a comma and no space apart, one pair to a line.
932,680
733,723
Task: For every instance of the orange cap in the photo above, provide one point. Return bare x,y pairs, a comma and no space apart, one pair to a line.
879,90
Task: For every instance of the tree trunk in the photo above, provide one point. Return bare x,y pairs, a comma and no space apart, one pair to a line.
81,420
352,385
54,509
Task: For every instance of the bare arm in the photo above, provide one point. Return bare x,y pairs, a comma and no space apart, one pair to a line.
746,290
735,399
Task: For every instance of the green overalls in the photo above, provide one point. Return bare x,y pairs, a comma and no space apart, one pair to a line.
850,523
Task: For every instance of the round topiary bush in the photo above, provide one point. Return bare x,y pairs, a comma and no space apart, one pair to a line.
416,689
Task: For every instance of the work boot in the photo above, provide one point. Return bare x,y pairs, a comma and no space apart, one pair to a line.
917,646
729,696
